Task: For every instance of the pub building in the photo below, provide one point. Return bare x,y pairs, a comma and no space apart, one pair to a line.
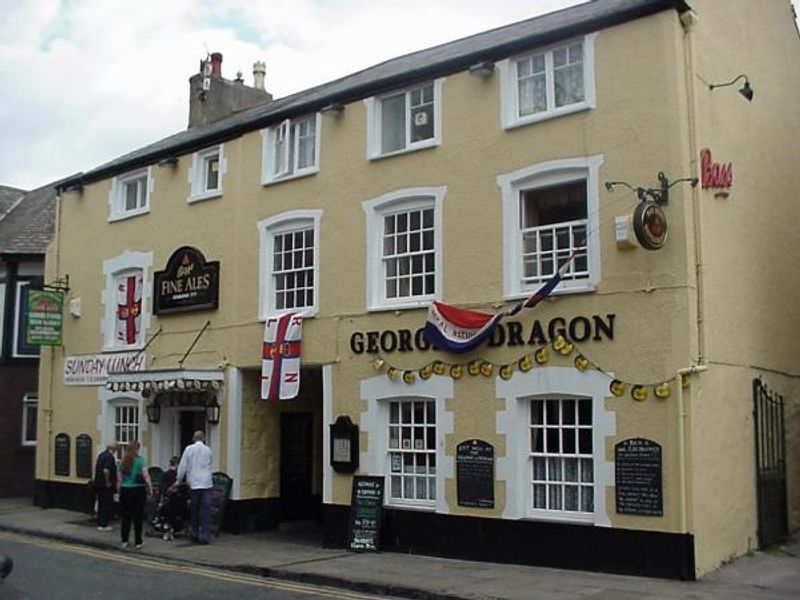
267,275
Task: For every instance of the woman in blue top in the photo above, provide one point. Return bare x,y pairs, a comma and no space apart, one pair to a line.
134,489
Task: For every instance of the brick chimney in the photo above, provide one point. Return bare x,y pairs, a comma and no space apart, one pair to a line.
212,97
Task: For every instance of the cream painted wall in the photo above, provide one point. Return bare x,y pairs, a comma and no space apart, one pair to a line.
750,274
639,127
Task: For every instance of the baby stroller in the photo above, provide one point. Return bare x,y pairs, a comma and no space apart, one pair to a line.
172,512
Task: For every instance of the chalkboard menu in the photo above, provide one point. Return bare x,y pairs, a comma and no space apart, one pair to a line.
366,508
637,474
220,492
83,456
475,474
61,449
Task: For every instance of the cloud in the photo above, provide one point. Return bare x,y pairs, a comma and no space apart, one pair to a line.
88,80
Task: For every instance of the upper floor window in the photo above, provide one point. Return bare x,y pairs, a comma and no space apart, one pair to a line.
206,173
126,299
289,263
404,248
130,194
21,348
405,120
548,83
30,406
550,212
291,149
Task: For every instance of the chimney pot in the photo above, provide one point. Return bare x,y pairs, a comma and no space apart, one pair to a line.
259,71
216,64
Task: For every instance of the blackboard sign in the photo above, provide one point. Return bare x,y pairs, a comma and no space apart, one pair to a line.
83,456
188,283
220,492
475,474
366,508
61,449
637,474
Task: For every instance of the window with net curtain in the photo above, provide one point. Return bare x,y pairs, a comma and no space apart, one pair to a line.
550,80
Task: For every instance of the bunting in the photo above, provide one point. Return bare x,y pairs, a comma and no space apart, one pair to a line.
458,330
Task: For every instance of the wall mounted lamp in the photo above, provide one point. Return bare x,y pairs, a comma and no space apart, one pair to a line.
334,108
483,68
153,410
746,91
212,410
659,195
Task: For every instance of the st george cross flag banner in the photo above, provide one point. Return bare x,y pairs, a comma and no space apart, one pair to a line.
129,308
280,367
458,330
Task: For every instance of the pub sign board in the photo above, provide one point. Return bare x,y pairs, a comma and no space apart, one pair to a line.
45,317
187,283
366,510
638,475
475,474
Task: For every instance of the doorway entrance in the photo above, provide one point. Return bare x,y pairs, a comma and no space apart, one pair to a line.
189,421
297,467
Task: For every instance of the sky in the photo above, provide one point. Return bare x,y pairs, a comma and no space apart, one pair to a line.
85,81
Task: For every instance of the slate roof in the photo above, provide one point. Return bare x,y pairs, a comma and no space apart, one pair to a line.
440,60
9,196
29,226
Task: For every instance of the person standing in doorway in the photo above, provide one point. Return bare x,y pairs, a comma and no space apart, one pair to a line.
195,466
105,482
135,488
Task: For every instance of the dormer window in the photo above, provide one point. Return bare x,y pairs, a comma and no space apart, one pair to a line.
291,149
130,194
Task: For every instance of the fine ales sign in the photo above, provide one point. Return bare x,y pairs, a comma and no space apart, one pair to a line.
188,283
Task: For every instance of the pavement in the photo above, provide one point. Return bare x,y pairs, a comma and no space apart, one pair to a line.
295,553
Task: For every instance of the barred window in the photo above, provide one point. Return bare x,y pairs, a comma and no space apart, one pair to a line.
561,455
412,450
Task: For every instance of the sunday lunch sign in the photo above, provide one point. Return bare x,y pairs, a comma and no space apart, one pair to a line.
93,369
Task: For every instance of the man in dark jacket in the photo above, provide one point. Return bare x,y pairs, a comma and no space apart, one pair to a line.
105,482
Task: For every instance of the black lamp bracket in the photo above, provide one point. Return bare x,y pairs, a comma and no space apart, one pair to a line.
660,194
57,285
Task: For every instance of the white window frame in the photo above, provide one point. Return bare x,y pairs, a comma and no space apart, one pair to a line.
376,209
378,391
199,170
122,404
547,456
509,92
112,268
19,310
116,197
374,122
29,402
401,451
545,175
267,229
513,422
270,135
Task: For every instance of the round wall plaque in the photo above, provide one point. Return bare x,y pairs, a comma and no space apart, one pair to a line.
650,225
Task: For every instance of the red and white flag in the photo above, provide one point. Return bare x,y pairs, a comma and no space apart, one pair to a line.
280,367
129,308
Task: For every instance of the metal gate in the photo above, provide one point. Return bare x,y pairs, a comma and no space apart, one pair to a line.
773,525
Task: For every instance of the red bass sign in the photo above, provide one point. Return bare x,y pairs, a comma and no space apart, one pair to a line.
717,176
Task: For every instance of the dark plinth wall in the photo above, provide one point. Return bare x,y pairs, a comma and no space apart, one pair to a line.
558,545
17,462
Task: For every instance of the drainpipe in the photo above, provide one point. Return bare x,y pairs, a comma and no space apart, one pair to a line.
683,471
689,20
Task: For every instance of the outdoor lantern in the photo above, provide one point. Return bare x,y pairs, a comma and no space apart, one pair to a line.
212,410
153,411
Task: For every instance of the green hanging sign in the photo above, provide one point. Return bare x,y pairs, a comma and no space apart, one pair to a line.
45,318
